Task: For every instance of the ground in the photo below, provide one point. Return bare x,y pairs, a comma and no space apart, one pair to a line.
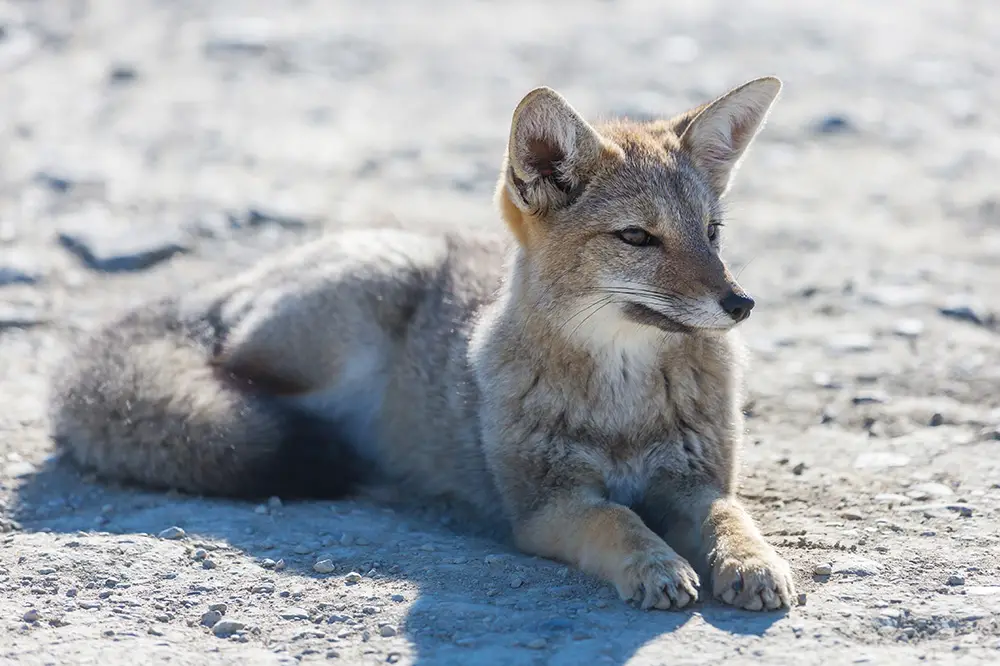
151,145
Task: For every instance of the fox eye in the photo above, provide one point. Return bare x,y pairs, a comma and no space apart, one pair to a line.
637,237
713,231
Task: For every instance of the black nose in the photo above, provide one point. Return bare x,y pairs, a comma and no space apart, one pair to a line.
737,306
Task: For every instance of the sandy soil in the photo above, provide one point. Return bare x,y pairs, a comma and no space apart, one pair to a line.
866,223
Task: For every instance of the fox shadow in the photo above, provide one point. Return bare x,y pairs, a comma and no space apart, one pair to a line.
475,599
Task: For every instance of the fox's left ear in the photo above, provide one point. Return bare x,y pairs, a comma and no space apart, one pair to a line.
720,132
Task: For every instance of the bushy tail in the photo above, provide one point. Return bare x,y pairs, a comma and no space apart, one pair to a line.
140,402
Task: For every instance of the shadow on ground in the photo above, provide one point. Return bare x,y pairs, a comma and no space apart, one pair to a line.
475,600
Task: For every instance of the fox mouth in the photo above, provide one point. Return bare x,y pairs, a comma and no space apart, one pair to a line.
642,314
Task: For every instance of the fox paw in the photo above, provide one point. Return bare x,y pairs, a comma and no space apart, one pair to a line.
658,579
756,581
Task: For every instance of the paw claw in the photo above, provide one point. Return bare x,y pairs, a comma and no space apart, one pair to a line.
659,579
755,581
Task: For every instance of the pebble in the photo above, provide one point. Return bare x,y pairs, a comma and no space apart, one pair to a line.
823,569
274,503
908,328
834,124
135,250
880,460
956,581
937,419
221,608
516,582
852,515
279,565
32,615
260,510
387,630
303,549
71,592
851,343
537,644
294,613
19,316
324,567
172,533
267,563
964,313
857,566
398,598
872,397
892,498
930,490
208,564
210,618
89,605
352,578
225,628
199,554
802,598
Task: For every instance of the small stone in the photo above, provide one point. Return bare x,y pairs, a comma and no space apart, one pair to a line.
260,510
930,490
963,312
892,498
352,578
361,541
851,343
221,608
274,503
516,582
279,565
857,566
956,581
208,564
990,433
210,618
32,615
833,124
19,468
346,540
88,605
71,592
802,599
398,598
871,397
429,547
294,613
937,419
122,74
852,515
823,569
267,563
303,549
908,328
226,628
172,533
537,644
387,630
199,554
825,380
799,469
880,460
324,567
122,252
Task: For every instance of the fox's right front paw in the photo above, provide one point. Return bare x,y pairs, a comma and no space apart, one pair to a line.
658,579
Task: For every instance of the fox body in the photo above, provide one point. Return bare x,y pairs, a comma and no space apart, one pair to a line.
578,378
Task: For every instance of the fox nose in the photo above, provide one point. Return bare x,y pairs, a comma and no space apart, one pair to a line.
737,306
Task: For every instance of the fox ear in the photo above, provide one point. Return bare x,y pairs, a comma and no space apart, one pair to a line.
551,153
717,135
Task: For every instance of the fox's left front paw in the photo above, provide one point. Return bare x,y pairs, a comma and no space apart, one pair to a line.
759,580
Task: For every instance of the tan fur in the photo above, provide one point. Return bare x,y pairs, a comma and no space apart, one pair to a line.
581,383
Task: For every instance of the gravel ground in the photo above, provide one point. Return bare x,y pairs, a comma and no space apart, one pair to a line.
151,145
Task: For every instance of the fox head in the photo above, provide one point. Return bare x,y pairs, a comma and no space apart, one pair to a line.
625,218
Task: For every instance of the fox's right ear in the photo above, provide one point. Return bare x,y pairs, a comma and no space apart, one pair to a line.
550,155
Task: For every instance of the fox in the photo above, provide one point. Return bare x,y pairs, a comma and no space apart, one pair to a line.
577,377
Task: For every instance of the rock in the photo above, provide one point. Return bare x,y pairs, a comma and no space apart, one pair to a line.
352,578
267,563
870,397
172,533
908,328
18,469
895,296
303,549
274,503
387,630
537,644
226,628
210,618
19,316
823,569
199,554
279,565
956,581
857,566
122,74
826,381
31,615
208,564
248,36
852,515
516,582
880,460
833,123
936,420
220,607
990,433
851,343
294,613
965,313
134,250
926,491
398,598
802,598
288,219
89,604
891,498
324,567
